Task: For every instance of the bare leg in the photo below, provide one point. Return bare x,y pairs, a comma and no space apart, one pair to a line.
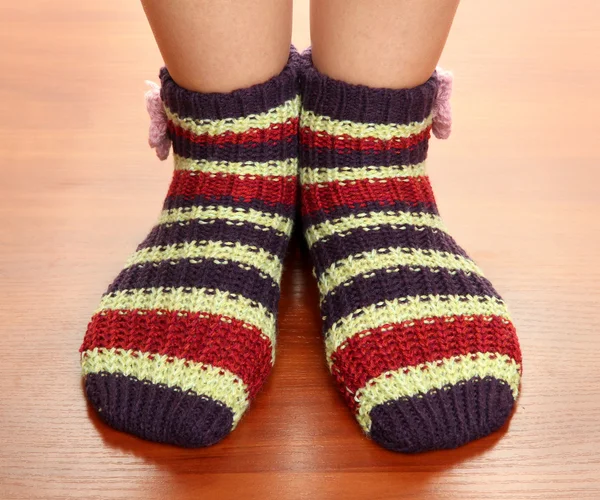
383,43
221,46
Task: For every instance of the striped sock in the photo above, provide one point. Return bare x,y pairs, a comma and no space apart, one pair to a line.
419,343
184,337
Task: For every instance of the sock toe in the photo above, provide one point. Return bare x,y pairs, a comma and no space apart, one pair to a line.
156,412
441,419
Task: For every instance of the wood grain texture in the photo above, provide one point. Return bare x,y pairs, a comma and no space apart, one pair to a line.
518,183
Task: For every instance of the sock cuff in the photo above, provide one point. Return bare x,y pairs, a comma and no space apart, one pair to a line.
358,103
256,99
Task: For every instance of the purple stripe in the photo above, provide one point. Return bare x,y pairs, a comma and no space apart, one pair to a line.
282,209
442,419
326,252
206,273
256,99
406,282
328,158
343,101
156,412
370,207
217,230
258,152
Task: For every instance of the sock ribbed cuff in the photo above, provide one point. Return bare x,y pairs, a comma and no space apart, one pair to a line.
238,103
358,103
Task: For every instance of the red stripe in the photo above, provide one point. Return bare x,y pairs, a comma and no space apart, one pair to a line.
198,337
363,358
271,190
275,132
415,190
341,143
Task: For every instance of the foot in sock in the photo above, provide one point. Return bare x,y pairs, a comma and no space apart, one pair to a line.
184,337
419,343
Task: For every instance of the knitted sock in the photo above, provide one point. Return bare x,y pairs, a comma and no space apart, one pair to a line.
185,336
419,343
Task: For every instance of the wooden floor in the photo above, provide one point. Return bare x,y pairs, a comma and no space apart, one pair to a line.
519,184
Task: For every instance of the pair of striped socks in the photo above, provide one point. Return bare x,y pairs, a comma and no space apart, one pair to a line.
419,343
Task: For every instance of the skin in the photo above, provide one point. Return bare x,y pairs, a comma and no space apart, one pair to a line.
380,43
221,45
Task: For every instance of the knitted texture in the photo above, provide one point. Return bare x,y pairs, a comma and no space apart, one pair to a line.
419,343
184,337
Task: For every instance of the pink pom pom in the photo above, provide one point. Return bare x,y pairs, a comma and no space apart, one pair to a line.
442,110
158,137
